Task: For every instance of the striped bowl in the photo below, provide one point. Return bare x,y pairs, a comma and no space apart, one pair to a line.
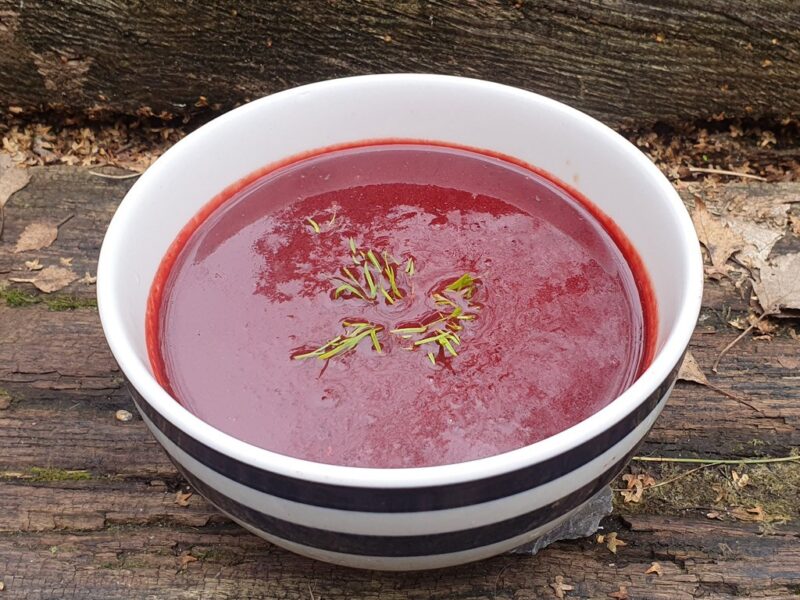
415,518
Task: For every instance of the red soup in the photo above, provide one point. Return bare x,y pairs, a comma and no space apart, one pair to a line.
398,305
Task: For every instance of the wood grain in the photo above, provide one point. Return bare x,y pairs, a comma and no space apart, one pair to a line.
88,502
626,61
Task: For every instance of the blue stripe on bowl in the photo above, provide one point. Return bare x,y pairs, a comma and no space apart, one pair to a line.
407,499
407,545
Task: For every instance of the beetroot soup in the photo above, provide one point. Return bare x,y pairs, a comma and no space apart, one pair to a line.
398,305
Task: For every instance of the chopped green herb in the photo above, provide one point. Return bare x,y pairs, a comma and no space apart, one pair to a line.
352,246
410,266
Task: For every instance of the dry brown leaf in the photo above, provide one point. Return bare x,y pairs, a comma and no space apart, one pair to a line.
719,239
714,515
34,265
655,568
50,279
755,514
186,558
182,498
758,241
36,236
690,370
560,588
740,480
621,594
613,542
779,284
12,178
794,224
65,262
721,492
789,362
88,279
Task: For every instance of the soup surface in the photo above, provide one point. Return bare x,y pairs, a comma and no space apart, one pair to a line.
397,305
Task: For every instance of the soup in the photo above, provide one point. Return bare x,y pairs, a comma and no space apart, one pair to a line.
398,305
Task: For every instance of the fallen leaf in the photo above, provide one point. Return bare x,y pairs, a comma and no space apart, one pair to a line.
186,558
12,178
34,265
794,224
601,538
721,492
714,515
560,588
789,362
612,542
36,236
182,498
50,279
719,239
655,568
123,415
740,480
65,262
622,594
690,370
758,241
778,286
88,279
755,514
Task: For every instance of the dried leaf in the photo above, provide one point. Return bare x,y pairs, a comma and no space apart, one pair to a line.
186,558
789,362
755,514
88,279
621,594
34,265
714,515
655,568
50,279
690,370
779,284
182,498
612,542
560,588
12,178
601,538
758,239
740,480
719,239
36,236
65,262
721,492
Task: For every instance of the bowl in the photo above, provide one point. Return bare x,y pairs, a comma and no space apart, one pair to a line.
407,518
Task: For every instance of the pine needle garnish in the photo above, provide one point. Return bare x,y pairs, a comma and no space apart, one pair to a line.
314,224
355,332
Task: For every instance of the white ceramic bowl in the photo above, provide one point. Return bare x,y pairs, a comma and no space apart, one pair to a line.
414,518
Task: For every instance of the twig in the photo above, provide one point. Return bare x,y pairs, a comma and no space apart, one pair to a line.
714,461
107,176
733,396
64,221
711,171
738,338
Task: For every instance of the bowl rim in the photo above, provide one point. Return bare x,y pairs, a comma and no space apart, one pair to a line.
138,374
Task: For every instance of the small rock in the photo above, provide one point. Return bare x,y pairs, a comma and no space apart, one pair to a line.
123,415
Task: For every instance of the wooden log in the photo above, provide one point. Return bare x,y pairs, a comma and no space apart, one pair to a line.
624,62
88,502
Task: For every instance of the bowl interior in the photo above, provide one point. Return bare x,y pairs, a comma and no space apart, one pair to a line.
571,146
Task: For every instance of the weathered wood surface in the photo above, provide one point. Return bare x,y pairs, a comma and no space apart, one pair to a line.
625,61
88,503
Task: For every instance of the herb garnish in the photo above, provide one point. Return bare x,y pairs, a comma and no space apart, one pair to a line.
375,277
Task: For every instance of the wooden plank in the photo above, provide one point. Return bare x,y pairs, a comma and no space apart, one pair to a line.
626,61
145,562
89,502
